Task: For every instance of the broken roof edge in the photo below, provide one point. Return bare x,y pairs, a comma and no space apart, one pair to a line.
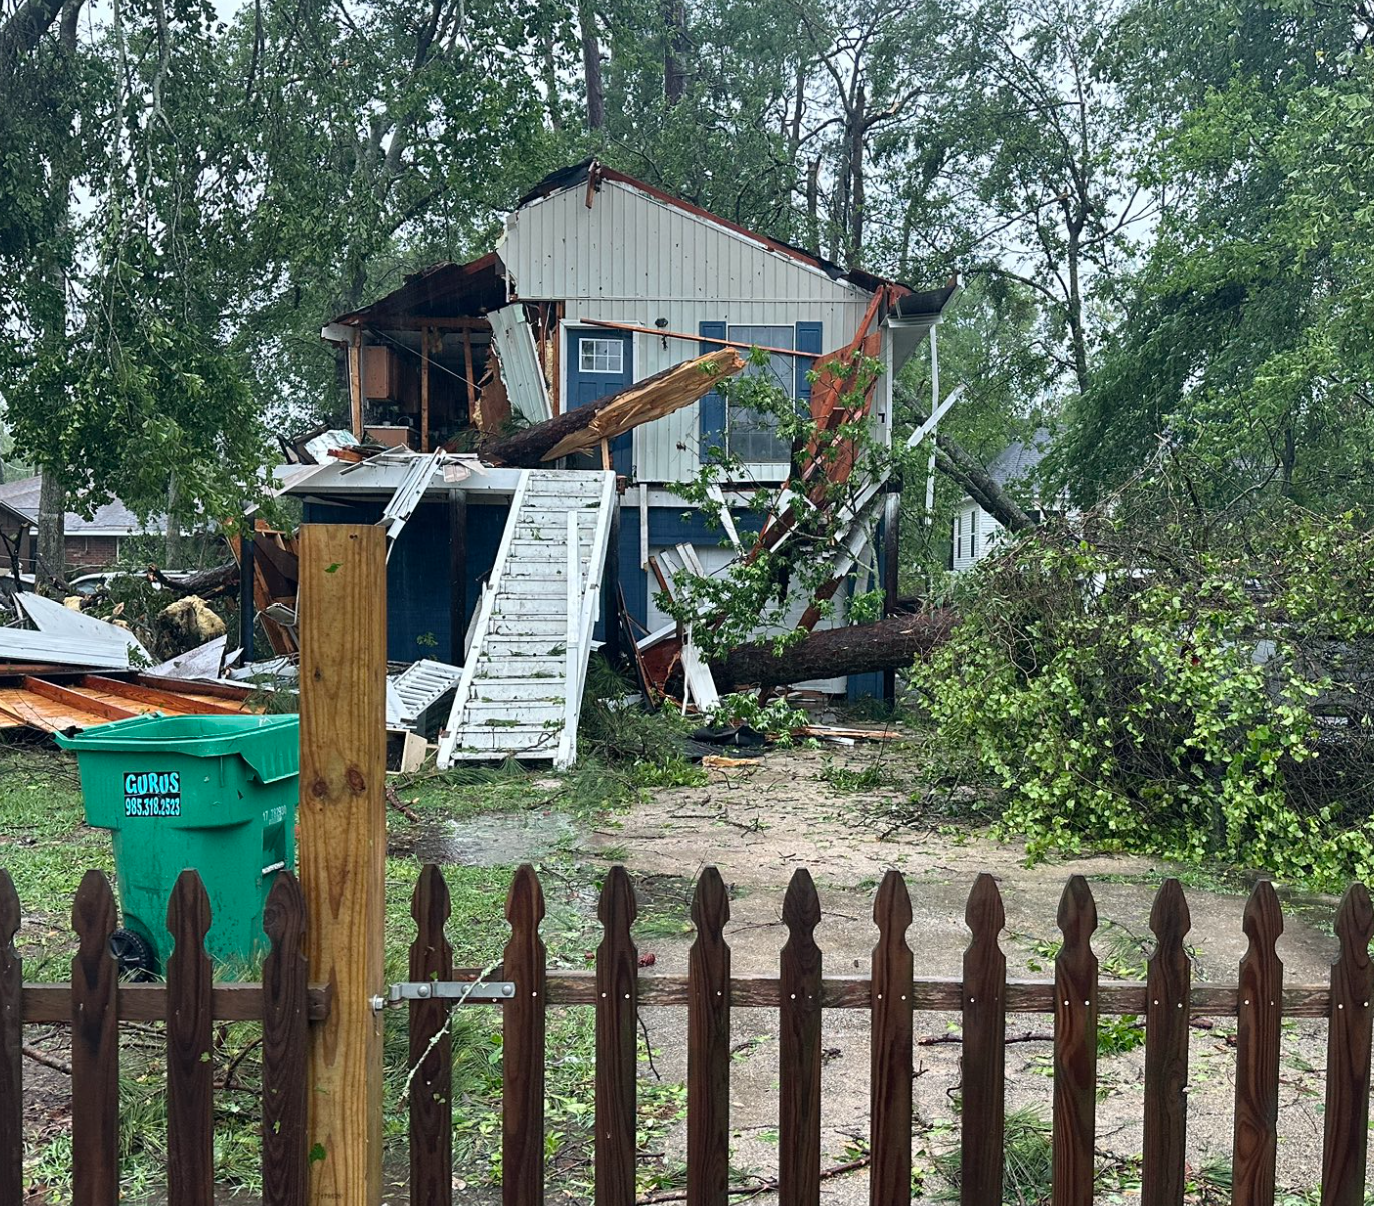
409,294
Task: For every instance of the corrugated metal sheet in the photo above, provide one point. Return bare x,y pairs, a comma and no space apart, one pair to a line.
524,379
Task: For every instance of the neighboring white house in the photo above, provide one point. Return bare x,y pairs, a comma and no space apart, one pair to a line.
976,533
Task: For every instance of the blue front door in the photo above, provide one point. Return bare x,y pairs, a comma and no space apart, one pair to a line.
600,362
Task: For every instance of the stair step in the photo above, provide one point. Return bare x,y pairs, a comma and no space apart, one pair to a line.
537,669
517,649
492,690
495,739
531,713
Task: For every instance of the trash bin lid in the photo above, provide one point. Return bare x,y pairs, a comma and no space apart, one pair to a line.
268,744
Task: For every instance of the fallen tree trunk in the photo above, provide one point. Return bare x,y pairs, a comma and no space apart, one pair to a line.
889,644
207,584
584,427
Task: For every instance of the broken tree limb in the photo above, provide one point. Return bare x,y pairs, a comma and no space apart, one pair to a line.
889,644
583,427
218,580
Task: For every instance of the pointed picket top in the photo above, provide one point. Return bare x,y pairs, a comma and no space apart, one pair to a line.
188,910
283,916
801,907
710,905
617,905
430,896
525,898
892,906
984,914
1354,927
1262,922
1170,919
1077,918
93,917
9,914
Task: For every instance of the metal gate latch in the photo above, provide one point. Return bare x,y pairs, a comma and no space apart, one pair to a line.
456,990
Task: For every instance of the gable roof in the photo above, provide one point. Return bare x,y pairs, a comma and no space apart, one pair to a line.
592,173
20,500
1017,461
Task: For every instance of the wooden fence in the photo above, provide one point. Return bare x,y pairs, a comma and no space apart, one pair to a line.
94,1002
1167,1000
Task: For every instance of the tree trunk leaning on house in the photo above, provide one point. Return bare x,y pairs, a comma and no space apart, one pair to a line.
890,644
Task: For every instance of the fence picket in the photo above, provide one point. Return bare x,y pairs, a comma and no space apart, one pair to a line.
981,1158
522,1046
1075,1047
890,1063
708,1046
95,1047
1257,1053
431,1048
1346,1141
190,1069
11,1048
1168,980
799,1048
617,967
285,1100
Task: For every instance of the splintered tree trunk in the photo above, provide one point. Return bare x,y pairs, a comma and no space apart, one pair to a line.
52,530
890,644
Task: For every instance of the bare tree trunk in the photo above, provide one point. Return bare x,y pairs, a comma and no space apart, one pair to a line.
591,66
52,530
675,50
889,644
172,545
813,201
551,85
858,127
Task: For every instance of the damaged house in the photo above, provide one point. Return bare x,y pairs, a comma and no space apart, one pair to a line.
512,562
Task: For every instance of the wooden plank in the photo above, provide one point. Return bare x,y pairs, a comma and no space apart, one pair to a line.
343,847
431,1047
199,689
1257,1053
522,1046
157,698
457,575
981,1155
1345,1145
1075,1047
190,1068
617,969
799,1047
471,376
708,1046
243,551
95,1047
242,1002
1114,998
285,1037
70,698
1166,1050
890,1064
355,384
11,1048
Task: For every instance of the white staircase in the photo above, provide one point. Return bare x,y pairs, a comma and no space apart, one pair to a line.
520,694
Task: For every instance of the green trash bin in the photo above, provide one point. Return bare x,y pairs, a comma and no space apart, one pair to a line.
212,793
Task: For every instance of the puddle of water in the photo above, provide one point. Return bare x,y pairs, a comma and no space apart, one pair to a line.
495,840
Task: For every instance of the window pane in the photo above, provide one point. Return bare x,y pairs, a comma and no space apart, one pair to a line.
601,355
752,435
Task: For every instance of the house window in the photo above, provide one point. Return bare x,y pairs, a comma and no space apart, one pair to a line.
959,536
973,534
752,435
601,355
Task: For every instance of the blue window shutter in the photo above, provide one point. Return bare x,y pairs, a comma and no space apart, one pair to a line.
711,409
809,336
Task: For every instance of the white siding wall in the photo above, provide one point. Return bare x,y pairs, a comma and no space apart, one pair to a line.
971,518
633,259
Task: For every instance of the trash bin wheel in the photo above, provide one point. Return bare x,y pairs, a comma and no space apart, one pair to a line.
133,955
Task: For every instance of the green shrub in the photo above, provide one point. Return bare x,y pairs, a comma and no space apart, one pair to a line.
1196,696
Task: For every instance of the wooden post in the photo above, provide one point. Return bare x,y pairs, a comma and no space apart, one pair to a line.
248,610
424,389
610,591
471,376
457,575
343,848
892,528
355,383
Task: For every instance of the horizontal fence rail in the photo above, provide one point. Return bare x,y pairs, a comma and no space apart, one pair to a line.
1077,997
95,1002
